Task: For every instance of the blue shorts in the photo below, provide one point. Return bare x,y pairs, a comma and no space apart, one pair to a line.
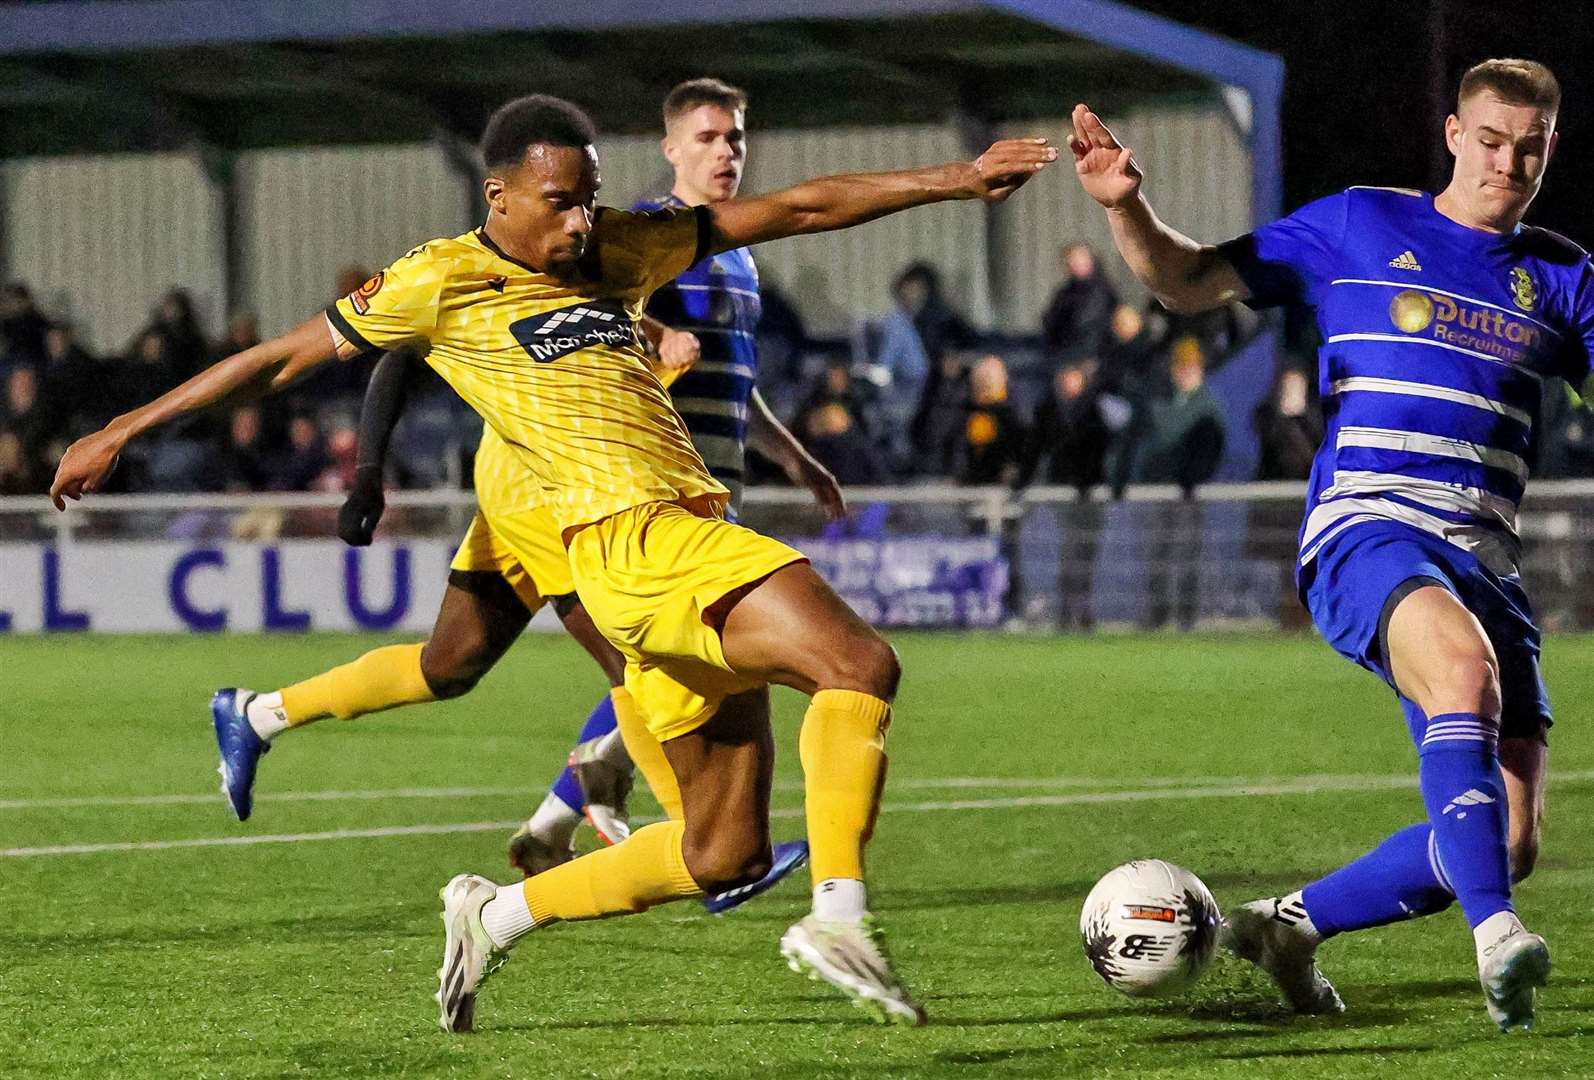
1353,584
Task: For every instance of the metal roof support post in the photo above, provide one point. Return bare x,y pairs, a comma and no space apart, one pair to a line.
976,133
220,166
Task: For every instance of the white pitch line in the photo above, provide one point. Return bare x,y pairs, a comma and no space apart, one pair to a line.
930,783
1303,786
214,797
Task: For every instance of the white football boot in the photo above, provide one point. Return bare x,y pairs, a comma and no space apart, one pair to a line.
469,955
1268,934
847,955
1511,970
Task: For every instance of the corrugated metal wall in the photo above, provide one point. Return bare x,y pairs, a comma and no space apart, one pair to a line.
632,167
100,238
837,277
307,214
1198,177
111,233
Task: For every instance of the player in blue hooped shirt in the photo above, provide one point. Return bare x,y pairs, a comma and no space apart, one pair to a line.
1440,317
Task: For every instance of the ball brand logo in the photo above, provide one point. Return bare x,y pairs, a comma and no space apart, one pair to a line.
1411,310
1468,324
1523,292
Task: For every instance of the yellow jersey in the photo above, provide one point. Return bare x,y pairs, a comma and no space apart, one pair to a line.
554,367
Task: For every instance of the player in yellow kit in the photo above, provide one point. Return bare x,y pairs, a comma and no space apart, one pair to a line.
531,319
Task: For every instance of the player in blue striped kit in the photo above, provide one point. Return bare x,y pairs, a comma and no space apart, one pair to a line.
703,326
1440,317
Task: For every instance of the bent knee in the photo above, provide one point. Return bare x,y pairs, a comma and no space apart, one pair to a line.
866,663
719,866
1467,682
453,670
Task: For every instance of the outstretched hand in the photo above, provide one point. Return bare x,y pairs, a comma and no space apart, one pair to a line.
1106,168
84,466
1007,165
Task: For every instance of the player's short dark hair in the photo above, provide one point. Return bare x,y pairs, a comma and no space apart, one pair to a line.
695,93
537,118
1516,82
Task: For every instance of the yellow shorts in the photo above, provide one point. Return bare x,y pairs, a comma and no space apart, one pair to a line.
525,548
648,576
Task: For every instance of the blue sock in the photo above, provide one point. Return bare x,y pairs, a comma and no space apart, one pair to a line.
1398,879
1458,767
600,722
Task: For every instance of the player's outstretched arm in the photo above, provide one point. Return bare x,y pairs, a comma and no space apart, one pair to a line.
385,396
767,435
256,371
1184,275
837,202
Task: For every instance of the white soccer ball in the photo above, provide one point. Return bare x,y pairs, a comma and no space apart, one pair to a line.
1150,928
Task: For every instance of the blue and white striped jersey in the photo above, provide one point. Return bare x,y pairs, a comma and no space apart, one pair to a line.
717,299
1436,338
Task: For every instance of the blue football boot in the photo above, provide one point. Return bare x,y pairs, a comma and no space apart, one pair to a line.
787,857
240,748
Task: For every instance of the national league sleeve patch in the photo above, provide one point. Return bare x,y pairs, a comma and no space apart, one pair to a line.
361,298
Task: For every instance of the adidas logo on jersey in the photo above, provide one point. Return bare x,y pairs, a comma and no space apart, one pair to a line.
553,334
1470,797
1405,261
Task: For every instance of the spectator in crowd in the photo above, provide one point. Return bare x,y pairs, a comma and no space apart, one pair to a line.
304,459
244,462
187,350
836,386
1077,318
1133,372
74,382
987,449
831,434
936,427
903,372
22,325
18,475
243,332
1182,445
782,342
148,369
26,415
991,443
942,334
1566,433
1070,434
1289,427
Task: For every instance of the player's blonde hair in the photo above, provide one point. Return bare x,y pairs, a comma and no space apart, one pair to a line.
1516,82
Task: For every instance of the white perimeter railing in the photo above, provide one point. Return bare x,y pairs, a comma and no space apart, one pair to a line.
1149,559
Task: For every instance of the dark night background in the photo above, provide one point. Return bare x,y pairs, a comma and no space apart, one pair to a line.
1369,82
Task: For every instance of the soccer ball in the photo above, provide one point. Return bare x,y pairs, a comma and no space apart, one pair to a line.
1150,928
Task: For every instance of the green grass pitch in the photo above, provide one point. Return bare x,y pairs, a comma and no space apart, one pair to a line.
1021,770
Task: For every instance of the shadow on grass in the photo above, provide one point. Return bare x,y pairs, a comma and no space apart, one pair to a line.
1382,1049
1051,892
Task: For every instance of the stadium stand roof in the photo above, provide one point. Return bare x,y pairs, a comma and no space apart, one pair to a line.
99,75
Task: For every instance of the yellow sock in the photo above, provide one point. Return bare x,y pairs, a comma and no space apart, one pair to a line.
645,869
842,746
647,753
381,679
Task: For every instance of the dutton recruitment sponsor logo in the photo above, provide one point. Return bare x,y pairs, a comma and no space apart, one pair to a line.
591,323
1463,324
